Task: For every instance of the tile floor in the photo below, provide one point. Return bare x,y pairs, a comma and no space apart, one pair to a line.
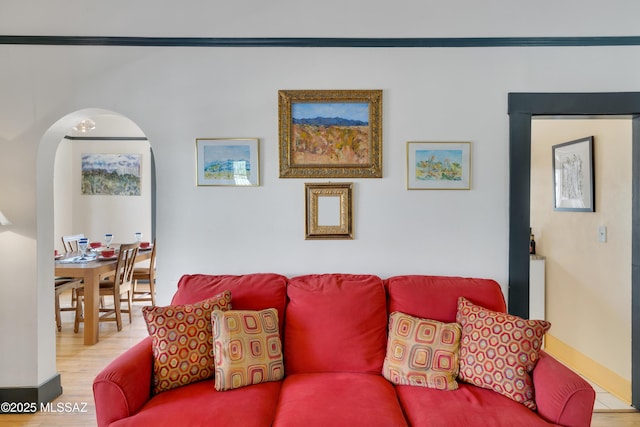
606,402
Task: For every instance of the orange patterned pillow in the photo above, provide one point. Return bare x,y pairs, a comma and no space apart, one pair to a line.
182,342
498,351
422,352
247,348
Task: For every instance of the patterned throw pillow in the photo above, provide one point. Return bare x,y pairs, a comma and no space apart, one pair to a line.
182,341
247,348
422,352
498,351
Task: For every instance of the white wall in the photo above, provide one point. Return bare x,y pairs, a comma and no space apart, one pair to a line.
177,95
63,184
329,18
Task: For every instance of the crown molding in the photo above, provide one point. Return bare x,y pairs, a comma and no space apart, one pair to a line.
319,42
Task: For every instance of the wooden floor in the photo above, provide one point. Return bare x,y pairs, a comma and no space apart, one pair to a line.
79,364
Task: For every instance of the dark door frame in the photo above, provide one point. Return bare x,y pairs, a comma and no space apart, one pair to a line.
522,107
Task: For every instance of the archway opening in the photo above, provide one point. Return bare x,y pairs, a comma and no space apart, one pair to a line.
110,136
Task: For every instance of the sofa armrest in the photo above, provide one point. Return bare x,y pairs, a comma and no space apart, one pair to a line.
562,396
124,386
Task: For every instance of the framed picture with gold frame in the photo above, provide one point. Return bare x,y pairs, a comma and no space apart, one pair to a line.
330,133
329,211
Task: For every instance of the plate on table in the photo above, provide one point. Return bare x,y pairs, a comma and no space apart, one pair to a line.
148,248
107,258
59,256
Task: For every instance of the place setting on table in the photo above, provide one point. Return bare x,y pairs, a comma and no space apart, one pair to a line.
144,246
97,251
92,263
79,257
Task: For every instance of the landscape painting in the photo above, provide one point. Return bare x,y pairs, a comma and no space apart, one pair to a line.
227,162
330,134
111,174
434,166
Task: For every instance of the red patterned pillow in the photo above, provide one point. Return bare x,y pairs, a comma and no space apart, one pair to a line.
182,341
246,347
498,351
422,352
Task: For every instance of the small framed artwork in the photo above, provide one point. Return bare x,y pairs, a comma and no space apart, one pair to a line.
329,211
111,174
228,161
330,133
573,176
438,165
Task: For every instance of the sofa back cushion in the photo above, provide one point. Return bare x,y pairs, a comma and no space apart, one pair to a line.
248,292
436,297
335,323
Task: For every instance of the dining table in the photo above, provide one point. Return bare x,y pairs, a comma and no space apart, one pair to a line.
91,271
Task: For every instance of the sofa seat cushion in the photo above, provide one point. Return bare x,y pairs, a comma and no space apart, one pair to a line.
436,297
467,406
335,323
338,399
199,404
249,292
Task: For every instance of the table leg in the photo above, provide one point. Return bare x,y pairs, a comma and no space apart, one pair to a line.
91,307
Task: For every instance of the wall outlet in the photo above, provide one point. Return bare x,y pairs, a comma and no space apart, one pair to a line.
602,234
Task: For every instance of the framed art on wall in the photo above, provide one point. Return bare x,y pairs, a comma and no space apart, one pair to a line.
328,211
438,165
110,174
228,161
330,133
573,176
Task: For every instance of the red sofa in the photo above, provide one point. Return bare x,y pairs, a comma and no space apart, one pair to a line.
334,332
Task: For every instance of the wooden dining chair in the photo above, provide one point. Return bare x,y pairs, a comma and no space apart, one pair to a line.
117,285
143,275
63,284
70,243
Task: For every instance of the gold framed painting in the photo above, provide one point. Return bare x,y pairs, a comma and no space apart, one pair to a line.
329,211
330,133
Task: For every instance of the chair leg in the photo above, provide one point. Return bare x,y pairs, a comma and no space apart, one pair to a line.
129,301
58,319
152,292
116,304
76,322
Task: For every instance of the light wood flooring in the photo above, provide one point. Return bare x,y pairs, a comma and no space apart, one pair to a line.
79,364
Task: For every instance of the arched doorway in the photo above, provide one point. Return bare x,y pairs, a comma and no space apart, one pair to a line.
46,235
